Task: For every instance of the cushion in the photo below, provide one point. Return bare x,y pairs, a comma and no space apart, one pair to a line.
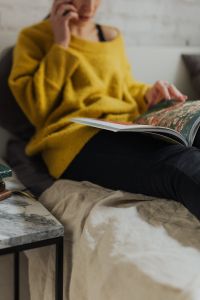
192,63
12,117
31,171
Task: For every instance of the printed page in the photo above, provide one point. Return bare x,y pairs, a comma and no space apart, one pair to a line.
182,117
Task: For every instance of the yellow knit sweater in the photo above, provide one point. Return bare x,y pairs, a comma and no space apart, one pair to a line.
52,84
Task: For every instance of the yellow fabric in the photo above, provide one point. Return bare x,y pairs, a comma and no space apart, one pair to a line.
52,84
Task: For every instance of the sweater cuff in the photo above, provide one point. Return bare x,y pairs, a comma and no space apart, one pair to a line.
143,104
60,64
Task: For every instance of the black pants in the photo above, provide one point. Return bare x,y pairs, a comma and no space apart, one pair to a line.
139,163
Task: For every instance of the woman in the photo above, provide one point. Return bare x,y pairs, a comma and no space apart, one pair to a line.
68,66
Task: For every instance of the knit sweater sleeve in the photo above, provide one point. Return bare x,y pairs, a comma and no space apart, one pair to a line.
37,78
137,89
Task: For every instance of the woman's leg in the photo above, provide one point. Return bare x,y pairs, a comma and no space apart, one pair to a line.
141,164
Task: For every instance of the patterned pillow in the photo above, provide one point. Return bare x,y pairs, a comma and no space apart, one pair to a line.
31,171
192,63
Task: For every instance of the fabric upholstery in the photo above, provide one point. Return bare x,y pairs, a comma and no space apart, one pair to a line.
192,63
11,116
31,171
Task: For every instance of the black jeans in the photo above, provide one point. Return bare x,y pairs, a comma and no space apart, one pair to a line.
139,163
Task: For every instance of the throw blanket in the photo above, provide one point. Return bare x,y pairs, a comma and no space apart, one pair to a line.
118,246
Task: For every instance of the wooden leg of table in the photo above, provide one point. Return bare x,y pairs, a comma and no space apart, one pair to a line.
59,269
16,275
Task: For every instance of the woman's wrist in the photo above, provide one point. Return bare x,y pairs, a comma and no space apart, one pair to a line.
62,44
147,98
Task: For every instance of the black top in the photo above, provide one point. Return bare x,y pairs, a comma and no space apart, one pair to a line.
100,33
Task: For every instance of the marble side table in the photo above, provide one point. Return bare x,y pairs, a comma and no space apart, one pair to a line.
26,224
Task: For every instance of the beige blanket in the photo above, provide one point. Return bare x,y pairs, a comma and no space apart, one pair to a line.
118,246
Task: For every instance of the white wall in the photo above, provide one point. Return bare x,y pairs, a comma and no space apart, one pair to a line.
144,22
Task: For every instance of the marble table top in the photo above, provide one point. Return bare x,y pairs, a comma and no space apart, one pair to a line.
24,220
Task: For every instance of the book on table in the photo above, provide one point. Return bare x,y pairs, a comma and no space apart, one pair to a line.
171,120
5,172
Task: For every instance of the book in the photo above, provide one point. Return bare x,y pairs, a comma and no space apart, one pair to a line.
2,186
171,120
5,171
5,194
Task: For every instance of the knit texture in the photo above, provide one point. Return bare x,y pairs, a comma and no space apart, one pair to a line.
52,84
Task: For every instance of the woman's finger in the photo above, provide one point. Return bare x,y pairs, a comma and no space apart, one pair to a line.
59,4
70,15
175,93
65,9
55,4
163,89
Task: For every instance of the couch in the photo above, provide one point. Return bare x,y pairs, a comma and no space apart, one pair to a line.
149,64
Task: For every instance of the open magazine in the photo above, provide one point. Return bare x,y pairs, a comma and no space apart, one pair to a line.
171,120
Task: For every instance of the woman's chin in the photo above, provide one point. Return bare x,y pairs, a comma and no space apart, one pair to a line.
84,19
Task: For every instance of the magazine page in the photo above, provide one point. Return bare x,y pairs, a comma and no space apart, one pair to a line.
110,125
182,117
165,133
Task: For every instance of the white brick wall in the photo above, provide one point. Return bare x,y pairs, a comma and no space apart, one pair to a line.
143,22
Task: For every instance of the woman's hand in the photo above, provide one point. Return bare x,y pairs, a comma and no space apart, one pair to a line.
61,13
163,90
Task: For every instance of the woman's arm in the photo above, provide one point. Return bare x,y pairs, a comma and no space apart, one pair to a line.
138,90
37,80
